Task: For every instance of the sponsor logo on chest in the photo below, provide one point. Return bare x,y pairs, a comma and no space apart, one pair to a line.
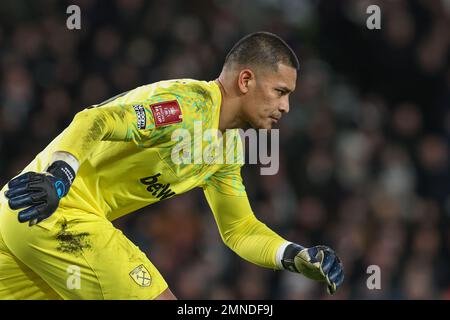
156,188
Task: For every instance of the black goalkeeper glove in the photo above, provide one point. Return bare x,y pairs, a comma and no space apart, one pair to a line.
39,193
317,263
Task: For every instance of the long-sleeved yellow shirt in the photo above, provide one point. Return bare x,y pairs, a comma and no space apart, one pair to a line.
126,148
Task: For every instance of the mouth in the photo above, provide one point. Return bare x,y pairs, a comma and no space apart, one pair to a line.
275,119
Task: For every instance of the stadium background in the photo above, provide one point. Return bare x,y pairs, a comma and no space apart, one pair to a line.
364,149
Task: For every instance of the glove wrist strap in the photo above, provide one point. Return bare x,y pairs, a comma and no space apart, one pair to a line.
63,171
288,256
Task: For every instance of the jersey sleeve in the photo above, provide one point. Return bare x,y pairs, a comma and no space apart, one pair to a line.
126,117
240,230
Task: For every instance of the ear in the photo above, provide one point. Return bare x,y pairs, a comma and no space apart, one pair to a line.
245,80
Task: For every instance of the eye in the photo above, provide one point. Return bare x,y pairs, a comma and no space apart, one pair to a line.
279,92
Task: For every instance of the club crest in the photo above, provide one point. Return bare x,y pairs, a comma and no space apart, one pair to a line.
141,276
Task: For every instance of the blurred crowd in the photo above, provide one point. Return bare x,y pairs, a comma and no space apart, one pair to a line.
364,149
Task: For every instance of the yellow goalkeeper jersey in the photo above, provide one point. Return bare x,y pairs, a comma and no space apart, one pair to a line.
129,149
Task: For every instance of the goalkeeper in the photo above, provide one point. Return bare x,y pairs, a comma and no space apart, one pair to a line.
117,157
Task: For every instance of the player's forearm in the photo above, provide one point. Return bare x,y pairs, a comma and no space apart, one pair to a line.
66,157
255,242
242,232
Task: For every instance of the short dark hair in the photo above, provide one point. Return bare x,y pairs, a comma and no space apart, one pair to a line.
262,49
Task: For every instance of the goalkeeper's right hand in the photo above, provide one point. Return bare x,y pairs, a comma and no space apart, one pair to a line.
317,263
39,193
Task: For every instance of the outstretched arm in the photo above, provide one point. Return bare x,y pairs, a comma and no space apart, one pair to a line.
252,240
242,232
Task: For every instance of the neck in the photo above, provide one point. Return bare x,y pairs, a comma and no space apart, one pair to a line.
229,117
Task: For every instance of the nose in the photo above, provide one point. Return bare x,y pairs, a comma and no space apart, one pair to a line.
284,107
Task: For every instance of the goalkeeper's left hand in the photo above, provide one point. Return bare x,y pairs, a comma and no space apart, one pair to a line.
317,263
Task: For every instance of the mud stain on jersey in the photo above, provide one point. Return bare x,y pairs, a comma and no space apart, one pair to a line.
72,243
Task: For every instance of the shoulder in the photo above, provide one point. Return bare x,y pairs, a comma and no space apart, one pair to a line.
197,100
191,91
